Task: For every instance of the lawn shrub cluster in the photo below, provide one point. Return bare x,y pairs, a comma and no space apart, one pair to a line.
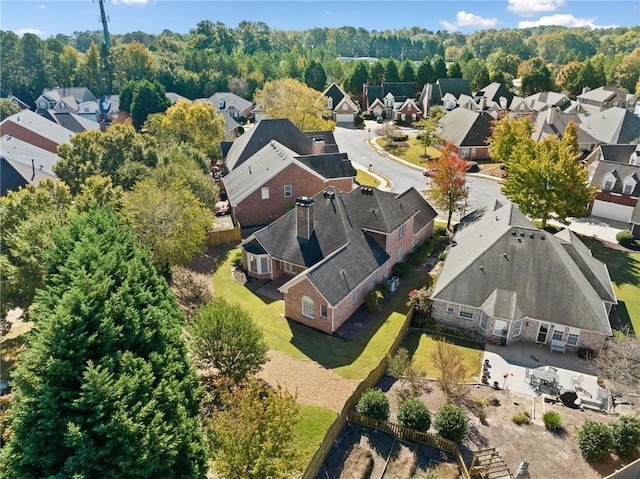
402,269
373,299
625,238
414,414
440,234
374,404
237,260
420,255
523,418
419,300
597,440
401,137
451,423
442,256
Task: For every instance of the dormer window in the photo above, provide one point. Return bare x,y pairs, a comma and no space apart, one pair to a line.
409,106
609,181
629,185
608,185
628,188
330,103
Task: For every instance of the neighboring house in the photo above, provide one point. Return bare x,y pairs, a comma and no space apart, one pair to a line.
635,221
614,170
231,126
263,188
71,121
108,108
494,94
237,107
614,125
333,248
36,130
282,131
519,107
605,97
444,92
259,113
467,131
14,99
505,278
175,97
343,109
63,99
547,99
22,164
393,97
553,121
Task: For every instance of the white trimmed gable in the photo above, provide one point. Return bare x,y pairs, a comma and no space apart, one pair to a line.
389,100
609,181
629,184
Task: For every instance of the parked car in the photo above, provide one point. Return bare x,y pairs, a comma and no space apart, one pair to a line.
428,172
379,119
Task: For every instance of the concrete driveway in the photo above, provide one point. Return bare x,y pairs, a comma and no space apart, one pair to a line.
508,366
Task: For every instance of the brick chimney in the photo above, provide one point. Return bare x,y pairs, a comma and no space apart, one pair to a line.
304,217
318,146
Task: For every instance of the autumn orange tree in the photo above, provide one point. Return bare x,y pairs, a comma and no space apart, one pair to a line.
448,191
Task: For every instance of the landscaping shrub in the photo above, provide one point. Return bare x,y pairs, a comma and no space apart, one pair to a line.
422,253
595,440
625,432
374,404
414,414
400,137
442,256
372,299
422,322
522,418
439,231
451,423
237,260
419,299
402,269
552,421
625,238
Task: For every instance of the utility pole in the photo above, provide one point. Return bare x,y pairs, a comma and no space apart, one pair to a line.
104,19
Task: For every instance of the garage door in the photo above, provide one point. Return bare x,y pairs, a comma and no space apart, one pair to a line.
344,118
612,211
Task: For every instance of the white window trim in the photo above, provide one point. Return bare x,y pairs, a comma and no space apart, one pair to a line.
290,187
354,296
517,328
573,332
264,192
450,308
307,303
258,263
402,230
483,319
467,310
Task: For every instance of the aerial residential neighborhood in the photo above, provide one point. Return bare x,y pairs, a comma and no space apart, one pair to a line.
246,252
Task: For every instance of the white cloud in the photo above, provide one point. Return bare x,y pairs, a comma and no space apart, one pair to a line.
528,8
563,20
131,2
42,7
464,19
22,31
328,13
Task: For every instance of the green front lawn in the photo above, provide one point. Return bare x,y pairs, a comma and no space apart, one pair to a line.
420,346
310,431
350,359
365,179
411,152
12,345
624,269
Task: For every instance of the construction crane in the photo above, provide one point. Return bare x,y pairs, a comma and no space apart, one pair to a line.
104,19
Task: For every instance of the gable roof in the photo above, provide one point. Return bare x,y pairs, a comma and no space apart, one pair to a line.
13,99
23,163
329,165
334,92
426,213
175,97
230,100
613,125
79,94
541,100
256,137
502,262
342,252
400,91
463,127
559,121
605,93
109,104
620,170
40,126
71,121
493,92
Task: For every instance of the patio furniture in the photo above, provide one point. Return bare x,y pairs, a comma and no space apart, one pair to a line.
544,378
576,381
557,345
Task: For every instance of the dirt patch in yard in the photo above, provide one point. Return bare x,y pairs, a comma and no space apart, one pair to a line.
312,383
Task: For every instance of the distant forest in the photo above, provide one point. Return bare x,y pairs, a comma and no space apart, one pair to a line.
213,57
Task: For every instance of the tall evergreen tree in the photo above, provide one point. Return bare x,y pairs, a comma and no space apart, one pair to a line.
454,70
425,73
376,73
105,388
439,68
148,97
314,76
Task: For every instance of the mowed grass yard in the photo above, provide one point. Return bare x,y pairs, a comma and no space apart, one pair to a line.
624,269
349,359
421,345
410,150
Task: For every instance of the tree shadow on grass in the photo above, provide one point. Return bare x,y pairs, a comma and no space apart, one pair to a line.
623,266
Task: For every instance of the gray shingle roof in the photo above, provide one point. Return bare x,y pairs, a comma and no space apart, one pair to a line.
620,169
558,125
493,92
342,251
71,121
39,125
615,125
255,138
23,163
502,262
426,213
330,165
464,127
230,99
335,93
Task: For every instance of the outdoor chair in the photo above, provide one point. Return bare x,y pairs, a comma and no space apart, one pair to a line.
576,381
552,369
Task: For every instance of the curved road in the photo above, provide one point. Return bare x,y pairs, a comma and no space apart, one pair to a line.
354,143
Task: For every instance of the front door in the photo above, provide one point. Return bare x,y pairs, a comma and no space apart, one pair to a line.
542,333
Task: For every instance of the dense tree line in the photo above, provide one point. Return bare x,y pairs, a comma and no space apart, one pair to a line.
213,57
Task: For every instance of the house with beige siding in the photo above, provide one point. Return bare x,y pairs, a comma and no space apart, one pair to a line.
333,248
504,278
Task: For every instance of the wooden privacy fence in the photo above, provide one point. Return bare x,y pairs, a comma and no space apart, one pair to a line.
336,427
226,236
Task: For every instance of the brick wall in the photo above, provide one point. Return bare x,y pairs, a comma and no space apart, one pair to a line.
394,242
439,313
253,210
617,198
28,136
293,306
422,235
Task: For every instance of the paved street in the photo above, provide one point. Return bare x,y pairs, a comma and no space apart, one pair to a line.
354,143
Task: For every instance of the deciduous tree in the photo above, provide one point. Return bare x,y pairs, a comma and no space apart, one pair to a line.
449,363
105,388
251,435
7,108
224,336
507,135
288,98
448,191
171,222
619,362
428,137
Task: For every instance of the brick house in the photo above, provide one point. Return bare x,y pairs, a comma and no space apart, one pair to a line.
614,170
505,278
263,188
467,131
36,130
343,109
335,247
389,100
22,164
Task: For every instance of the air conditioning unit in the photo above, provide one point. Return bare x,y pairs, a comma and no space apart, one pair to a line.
393,283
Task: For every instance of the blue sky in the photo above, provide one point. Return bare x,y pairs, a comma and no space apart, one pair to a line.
49,17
